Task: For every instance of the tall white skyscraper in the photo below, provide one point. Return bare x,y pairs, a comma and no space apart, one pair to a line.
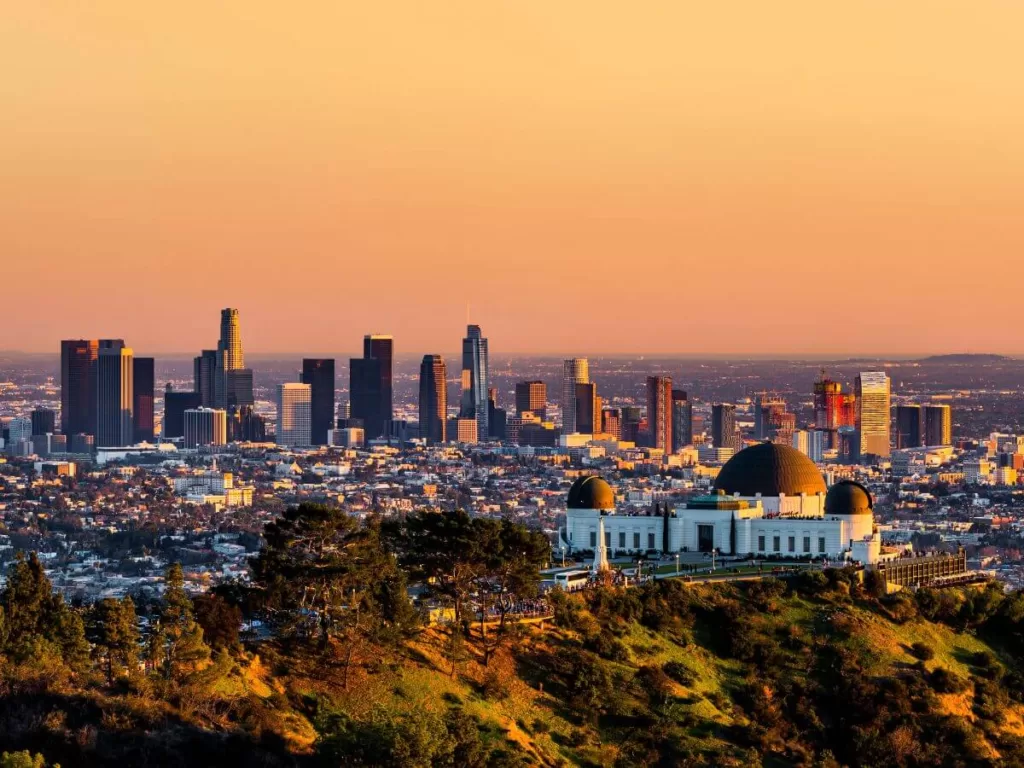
575,371
872,391
294,403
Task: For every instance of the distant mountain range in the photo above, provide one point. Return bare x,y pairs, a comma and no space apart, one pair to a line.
964,358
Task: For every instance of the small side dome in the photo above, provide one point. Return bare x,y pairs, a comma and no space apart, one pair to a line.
591,492
848,498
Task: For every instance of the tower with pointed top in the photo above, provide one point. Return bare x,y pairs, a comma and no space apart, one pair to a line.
601,550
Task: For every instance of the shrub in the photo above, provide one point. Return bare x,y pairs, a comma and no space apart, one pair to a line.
679,672
922,651
944,681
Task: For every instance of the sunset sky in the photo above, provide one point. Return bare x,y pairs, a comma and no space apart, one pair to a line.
795,176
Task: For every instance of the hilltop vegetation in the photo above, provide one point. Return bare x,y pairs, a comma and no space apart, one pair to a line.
818,671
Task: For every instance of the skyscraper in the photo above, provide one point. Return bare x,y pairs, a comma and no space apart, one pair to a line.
588,409
475,379
909,426
723,426
205,426
77,379
575,371
659,412
204,375
872,391
433,399
370,385
230,390
629,422
611,422
175,405
319,374
532,396
44,421
766,407
938,425
143,385
114,395
293,414
682,420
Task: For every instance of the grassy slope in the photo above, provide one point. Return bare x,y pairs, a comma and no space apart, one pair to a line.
536,720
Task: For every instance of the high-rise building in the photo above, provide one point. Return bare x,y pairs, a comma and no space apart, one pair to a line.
575,371
588,409
238,387
143,385
175,405
462,430
938,425
205,426
229,358
659,412
497,418
682,420
204,375
293,414
872,391
909,426
77,379
611,422
319,374
19,437
365,395
44,421
433,399
723,426
114,395
532,396
370,385
245,425
629,424
766,406
475,380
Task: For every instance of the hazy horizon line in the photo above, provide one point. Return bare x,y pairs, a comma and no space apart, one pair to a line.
779,355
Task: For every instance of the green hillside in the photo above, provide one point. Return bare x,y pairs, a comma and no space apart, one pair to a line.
821,670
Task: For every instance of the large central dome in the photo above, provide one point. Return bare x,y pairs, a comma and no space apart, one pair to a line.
591,492
771,470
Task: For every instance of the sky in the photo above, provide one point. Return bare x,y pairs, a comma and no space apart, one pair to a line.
799,176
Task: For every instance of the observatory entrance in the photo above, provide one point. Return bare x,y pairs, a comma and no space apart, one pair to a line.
705,538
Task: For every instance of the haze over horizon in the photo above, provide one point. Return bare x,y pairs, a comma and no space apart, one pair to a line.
663,178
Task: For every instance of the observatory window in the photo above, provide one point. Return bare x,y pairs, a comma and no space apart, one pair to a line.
593,539
776,544
760,543
650,541
821,544
636,541
622,539
792,543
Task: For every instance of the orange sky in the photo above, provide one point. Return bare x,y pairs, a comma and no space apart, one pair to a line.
787,176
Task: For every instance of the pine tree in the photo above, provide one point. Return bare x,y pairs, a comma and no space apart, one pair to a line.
116,635
182,637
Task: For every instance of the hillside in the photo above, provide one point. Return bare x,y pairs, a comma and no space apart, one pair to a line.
816,672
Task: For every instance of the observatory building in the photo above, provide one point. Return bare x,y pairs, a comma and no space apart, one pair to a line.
767,500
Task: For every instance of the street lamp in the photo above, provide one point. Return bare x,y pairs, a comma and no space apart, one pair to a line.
677,563
563,556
